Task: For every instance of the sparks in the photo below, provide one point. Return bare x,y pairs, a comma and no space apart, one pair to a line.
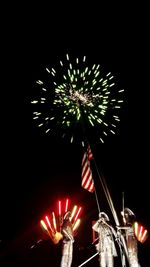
74,92
51,224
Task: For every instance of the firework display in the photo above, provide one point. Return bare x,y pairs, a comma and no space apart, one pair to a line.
140,232
76,99
74,92
52,223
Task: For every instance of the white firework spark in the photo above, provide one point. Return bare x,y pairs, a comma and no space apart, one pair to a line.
73,91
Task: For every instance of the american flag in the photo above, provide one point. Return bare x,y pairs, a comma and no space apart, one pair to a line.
87,180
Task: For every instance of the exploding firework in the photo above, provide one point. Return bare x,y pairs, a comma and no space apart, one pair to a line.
52,223
75,97
140,232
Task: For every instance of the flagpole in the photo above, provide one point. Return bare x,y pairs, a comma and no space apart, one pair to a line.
87,143
109,199
123,206
98,206
123,201
105,188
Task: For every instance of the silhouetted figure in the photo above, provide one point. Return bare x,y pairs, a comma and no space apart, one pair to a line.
131,241
105,245
68,239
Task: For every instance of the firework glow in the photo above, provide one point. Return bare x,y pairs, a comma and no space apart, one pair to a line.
51,224
74,92
140,232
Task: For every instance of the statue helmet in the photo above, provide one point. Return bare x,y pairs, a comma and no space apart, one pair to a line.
127,212
128,216
104,216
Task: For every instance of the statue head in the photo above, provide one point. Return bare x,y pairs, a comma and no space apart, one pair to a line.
104,216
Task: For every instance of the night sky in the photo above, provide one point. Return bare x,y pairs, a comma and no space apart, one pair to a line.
37,170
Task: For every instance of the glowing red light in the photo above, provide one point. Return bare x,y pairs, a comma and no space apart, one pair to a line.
140,232
78,213
52,224
59,208
66,205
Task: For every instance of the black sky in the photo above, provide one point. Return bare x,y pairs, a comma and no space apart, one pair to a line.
35,169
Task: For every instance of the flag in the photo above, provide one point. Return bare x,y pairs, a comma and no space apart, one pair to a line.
87,180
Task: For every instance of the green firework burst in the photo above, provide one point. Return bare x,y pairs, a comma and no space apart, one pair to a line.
74,92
